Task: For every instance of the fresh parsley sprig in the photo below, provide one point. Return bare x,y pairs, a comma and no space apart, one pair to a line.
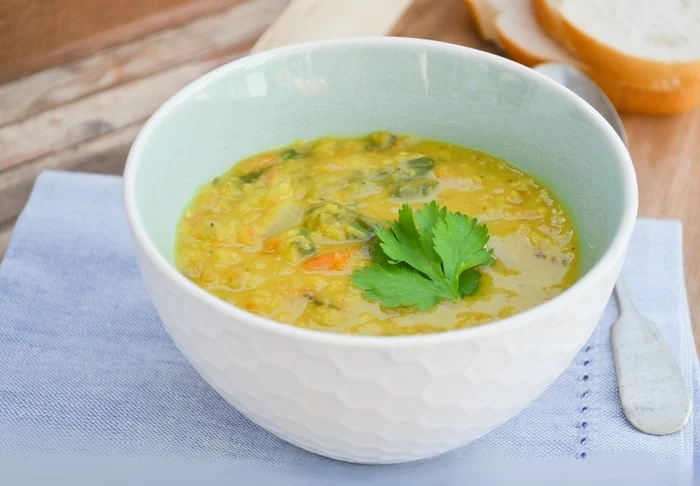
424,258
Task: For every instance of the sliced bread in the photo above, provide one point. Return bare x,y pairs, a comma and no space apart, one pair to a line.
481,14
524,42
485,12
651,44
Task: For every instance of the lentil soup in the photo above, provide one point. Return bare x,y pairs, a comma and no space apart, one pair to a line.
280,233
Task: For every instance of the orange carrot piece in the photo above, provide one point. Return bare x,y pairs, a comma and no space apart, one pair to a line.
334,260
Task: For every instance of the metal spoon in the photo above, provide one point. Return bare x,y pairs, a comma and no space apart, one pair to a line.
653,392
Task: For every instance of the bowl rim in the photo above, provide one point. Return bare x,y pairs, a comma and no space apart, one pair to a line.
566,299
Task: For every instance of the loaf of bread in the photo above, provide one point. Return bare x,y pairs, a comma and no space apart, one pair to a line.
645,54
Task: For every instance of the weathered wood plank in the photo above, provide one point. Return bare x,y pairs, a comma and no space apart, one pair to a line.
53,87
311,20
105,154
43,39
69,125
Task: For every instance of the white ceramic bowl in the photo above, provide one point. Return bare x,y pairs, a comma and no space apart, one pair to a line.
379,399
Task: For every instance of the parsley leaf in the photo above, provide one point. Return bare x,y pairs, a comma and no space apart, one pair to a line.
425,220
460,242
399,286
469,282
402,242
425,257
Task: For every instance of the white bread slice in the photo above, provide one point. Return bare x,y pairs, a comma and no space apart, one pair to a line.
646,43
525,43
484,14
480,11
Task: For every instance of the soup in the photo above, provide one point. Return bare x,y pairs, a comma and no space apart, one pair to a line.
281,233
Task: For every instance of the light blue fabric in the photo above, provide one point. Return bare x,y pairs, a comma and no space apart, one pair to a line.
88,373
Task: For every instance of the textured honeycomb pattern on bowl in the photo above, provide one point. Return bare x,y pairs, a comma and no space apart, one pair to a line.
377,403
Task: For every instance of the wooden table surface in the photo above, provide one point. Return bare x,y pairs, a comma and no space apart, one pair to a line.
83,115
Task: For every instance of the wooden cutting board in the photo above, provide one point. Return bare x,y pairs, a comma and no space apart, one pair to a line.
84,115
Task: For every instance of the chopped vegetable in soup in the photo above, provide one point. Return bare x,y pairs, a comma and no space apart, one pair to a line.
307,235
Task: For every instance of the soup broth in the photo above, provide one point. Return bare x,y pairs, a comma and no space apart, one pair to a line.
280,233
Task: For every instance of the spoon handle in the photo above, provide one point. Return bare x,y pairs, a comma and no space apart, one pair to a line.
623,297
653,392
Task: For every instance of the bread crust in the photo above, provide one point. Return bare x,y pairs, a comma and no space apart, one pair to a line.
631,99
632,70
549,21
647,96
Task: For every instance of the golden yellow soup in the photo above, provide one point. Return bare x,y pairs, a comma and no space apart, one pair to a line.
280,233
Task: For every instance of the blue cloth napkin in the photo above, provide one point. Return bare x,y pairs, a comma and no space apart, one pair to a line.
87,372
